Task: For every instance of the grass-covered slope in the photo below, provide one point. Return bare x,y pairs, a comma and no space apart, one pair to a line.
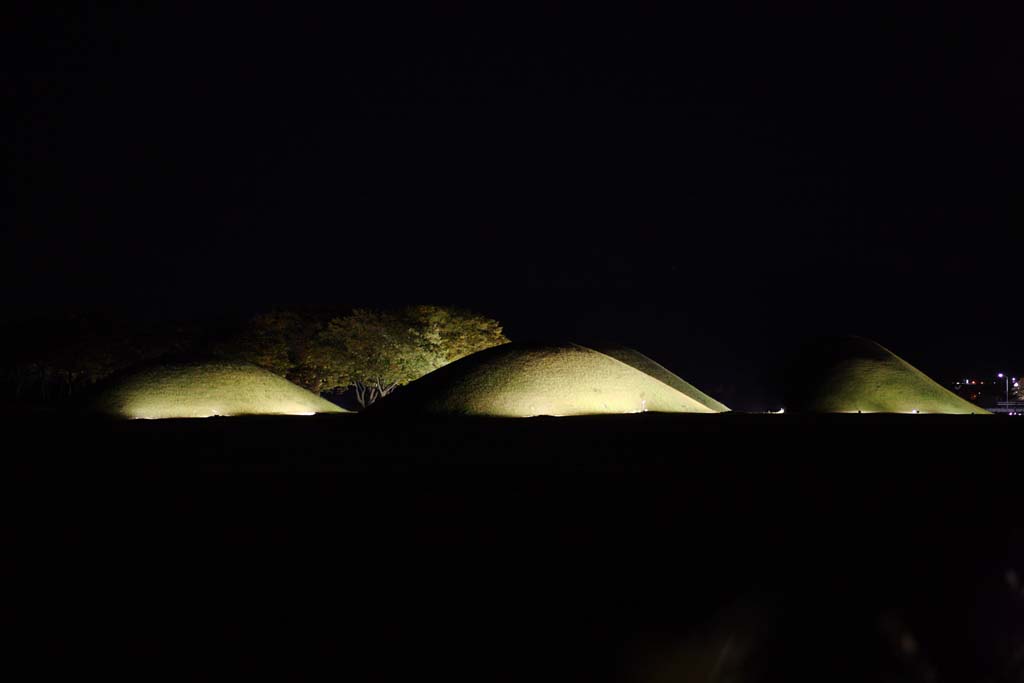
637,360
852,374
524,380
206,389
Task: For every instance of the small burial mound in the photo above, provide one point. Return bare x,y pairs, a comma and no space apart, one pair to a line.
852,375
205,389
526,380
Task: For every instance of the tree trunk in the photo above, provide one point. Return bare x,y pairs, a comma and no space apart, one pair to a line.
367,393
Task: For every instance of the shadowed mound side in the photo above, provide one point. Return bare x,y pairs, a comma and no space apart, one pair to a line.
524,380
639,361
851,374
206,389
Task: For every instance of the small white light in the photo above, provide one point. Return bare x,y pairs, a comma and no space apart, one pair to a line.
916,411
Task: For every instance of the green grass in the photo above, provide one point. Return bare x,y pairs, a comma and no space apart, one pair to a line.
639,361
851,375
205,390
525,380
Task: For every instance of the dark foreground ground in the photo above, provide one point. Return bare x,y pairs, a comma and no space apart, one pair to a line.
627,548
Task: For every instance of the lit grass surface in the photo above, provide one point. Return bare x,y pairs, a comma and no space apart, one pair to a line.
206,390
851,374
639,361
526,380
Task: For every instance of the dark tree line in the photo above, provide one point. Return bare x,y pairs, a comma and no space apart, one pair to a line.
326,350
54,358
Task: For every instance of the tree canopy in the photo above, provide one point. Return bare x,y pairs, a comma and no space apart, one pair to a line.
280,341
371,350
376,351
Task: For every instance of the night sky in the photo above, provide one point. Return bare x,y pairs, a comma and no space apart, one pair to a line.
709,188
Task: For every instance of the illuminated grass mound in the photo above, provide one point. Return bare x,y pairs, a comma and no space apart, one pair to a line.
205,390
525,380
851,374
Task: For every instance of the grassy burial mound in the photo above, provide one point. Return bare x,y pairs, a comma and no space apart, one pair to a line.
204,390
851,374
639,361
525,380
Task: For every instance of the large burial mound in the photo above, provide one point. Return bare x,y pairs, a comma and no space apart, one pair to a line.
204,390
852,375
524,380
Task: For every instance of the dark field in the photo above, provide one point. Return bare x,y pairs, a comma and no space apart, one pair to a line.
627,548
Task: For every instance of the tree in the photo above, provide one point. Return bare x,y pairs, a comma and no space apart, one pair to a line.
372,351
377,351
279,341
286,343
451,333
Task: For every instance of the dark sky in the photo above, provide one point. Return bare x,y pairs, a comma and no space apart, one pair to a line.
707,187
